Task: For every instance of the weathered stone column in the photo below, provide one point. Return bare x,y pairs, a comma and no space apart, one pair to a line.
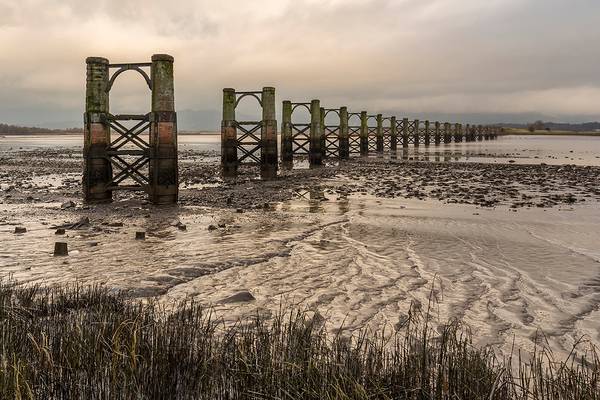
268,134
427,133
405,132
97,170
323,133
457,133
416,132
287,150
364,134
344,142
437,133
229,159
315,154
393,134
447,137
379,133
164,174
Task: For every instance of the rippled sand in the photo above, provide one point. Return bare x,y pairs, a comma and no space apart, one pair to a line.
358,261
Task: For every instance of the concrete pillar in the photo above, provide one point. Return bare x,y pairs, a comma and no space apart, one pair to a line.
315,154
287,153
323,132
364,134
164,174
427,133
416,132
447,137
344,142
437,133
229,159
393,134
457,133
268,133
405,132
97,170
379,134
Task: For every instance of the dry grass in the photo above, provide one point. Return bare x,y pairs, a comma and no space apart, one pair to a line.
88,343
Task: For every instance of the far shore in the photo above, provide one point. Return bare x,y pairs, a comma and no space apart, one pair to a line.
507,131
524,131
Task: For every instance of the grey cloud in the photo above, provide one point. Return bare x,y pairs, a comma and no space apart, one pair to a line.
462,57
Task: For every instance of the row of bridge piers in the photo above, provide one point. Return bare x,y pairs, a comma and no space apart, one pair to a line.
352,133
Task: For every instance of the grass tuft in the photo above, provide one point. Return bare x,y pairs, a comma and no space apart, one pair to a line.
79,342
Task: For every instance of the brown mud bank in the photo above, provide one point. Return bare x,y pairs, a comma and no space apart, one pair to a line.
52,175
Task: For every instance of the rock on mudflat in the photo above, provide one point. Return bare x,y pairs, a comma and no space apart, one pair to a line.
20,229
67,204
241,297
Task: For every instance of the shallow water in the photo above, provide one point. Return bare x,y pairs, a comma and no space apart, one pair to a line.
529,149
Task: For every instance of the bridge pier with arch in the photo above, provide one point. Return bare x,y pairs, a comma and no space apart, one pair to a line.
117,157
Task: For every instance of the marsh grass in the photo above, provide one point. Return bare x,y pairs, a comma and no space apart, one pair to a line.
80,342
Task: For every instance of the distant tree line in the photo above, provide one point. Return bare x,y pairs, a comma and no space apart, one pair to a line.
558,126
27,130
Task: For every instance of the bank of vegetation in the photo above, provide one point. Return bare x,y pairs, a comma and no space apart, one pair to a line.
6,129
90,343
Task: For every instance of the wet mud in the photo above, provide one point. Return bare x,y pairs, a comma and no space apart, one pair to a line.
510,249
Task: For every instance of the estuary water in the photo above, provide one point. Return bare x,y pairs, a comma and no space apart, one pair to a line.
358,260
529,149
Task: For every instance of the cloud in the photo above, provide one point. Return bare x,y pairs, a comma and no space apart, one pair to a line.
398,56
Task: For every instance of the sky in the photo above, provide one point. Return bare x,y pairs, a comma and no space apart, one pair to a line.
464,60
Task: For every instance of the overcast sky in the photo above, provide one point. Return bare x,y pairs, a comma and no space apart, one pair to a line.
501,58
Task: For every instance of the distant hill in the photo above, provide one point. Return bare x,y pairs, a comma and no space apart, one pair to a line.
28,130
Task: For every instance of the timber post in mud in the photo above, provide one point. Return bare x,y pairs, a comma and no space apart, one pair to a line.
97,172
427,133
364,133
229,159
268,134
164,173
344,139
315,153
393,134
379,133
287,153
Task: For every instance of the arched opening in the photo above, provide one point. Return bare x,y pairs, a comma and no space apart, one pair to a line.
332,117
301,113
248,107
130,94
